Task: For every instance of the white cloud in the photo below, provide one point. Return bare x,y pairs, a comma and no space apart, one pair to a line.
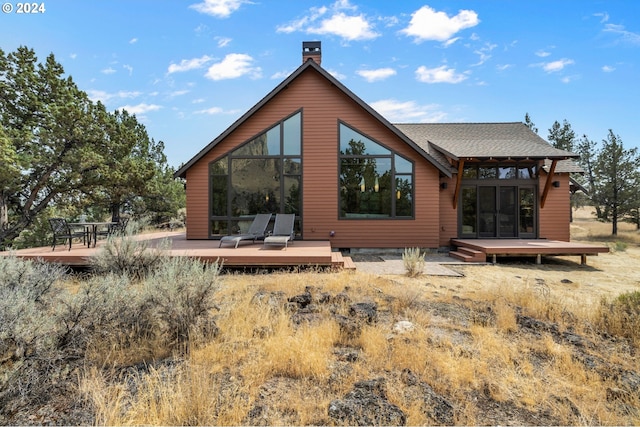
189,64
484,53
210,111
428,24
408,111
555,66
129,68
140,108
504,67
604,16
281,75
73,55
104,97
233,66
218,8
542,53
440,74
178,93
608,69
222,41
198,101
626,36
133,40
349,26
375,75
108,71
337,74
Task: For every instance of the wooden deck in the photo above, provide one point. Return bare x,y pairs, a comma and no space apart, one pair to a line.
476,250
248,254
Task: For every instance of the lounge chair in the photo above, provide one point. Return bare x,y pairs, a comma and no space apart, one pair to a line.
282,231
256,231
63,231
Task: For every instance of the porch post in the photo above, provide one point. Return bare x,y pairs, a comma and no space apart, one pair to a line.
547,185
458,183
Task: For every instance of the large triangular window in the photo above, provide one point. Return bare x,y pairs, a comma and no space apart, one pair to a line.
375,182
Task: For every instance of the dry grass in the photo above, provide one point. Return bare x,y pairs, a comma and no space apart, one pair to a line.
467,344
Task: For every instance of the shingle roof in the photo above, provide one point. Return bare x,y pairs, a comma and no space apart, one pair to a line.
483,140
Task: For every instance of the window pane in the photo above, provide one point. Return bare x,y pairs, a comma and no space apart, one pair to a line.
527,219
267,144
365,188
469,210
292,195
292,166
221,167
219,195
527,172
470,172
292,135
354,144
255,186
487,172
219,227
404,193
402,165
507,172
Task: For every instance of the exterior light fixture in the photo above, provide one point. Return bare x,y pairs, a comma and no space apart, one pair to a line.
362,185
556,184
376,187
266,198
398,194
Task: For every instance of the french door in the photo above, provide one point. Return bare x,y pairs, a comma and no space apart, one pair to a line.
497,211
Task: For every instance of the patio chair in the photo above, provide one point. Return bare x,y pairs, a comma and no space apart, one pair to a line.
256,231
116,228
64,232
282,231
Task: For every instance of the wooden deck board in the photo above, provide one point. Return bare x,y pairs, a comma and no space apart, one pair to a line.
530,247
298,253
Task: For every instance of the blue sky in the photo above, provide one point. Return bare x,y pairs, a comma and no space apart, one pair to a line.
188,69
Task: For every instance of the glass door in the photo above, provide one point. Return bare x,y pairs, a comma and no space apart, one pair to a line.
497,211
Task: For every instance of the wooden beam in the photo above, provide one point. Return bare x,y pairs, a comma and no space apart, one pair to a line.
547,185
458,183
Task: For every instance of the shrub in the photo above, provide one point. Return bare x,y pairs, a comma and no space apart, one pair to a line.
25,290
129,256
413,260
181,291
621,316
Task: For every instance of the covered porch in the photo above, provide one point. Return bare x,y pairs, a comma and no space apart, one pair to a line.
298,254
477,250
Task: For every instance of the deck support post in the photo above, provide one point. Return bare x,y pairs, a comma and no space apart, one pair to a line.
583,259
538,259
494,259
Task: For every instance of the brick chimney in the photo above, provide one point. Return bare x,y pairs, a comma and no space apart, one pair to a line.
311,51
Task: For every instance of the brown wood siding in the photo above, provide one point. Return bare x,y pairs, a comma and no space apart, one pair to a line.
554,217
323,105
448,215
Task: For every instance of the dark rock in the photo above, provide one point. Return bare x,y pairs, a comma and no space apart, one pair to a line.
349,328
367,405
436,407
301,300
566,281
347,354
272,299
310,314
367,311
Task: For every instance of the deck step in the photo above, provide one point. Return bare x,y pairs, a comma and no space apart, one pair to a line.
468,255
340,262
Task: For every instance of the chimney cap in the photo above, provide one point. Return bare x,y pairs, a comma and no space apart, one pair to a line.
311,46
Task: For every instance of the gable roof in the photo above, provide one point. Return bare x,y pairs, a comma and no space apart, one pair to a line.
484,140
424,150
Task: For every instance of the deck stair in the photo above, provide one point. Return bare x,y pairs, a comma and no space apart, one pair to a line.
468,255
340,262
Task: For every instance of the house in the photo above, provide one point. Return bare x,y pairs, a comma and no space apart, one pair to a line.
314,148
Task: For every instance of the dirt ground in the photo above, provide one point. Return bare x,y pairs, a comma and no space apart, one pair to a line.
605,275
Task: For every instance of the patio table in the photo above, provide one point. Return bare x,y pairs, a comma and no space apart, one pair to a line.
92,229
